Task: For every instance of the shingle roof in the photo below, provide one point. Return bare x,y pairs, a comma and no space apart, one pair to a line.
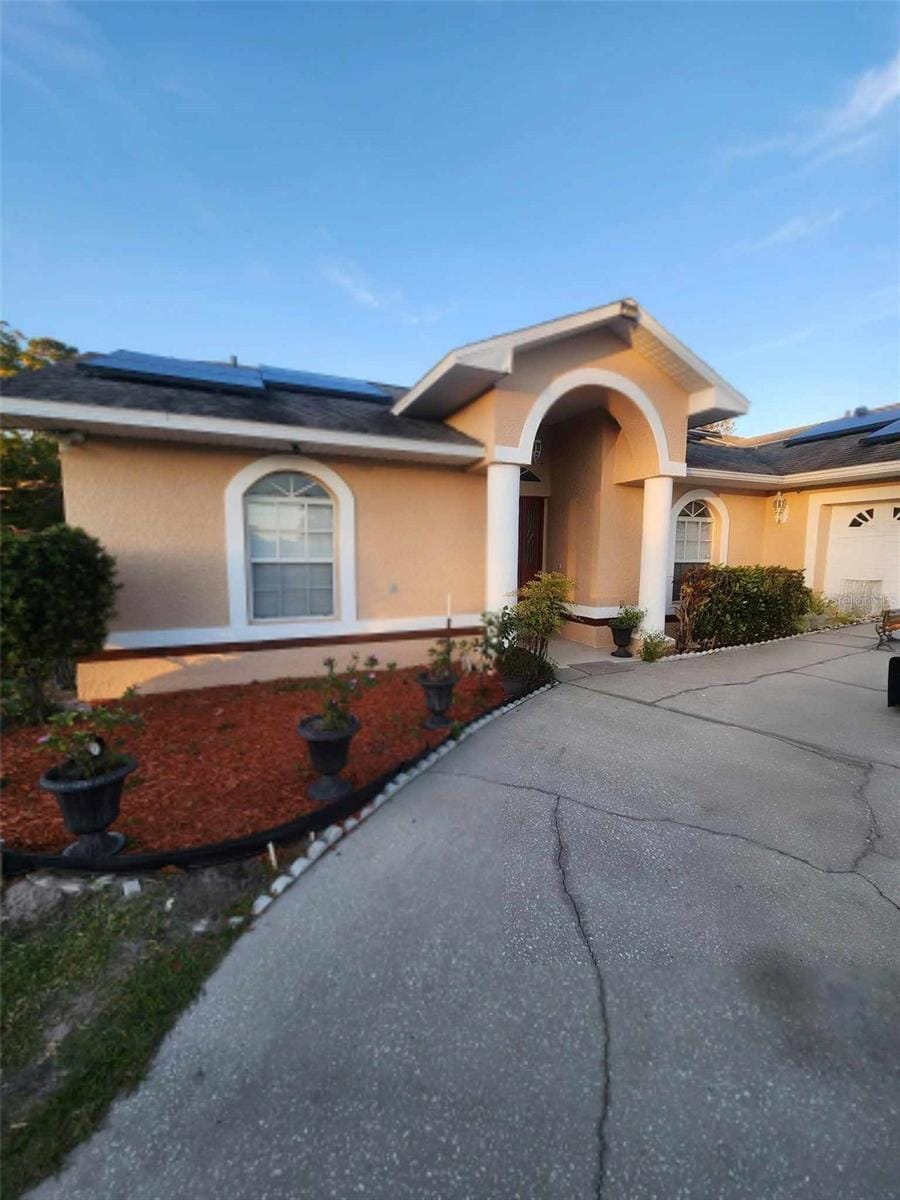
771,456
65,384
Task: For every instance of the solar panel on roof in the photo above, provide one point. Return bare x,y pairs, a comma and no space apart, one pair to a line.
888,433
335,385
831,429
128,363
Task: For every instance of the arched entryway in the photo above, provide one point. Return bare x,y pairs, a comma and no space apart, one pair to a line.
639,456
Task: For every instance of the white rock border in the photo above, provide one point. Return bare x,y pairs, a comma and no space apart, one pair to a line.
327,838
789,637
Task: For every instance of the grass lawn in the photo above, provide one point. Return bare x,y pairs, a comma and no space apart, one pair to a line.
89,991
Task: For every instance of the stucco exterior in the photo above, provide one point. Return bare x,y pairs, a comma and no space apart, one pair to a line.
159,509
421,515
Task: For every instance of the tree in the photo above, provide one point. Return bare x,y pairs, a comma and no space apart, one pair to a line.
58,589
18,353
30,486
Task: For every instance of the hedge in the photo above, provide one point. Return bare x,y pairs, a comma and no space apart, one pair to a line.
730,606
57,591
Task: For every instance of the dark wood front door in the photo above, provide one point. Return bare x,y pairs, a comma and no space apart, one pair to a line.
531,537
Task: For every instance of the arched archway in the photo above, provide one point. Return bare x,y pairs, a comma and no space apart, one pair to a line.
635,412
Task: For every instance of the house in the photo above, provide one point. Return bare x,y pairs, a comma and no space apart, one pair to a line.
259,514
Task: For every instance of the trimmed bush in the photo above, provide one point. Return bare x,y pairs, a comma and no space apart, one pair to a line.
654,646
729,606
57,589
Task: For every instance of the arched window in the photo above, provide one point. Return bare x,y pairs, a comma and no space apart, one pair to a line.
289,523
693,540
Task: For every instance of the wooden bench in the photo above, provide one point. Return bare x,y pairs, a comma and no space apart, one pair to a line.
888,624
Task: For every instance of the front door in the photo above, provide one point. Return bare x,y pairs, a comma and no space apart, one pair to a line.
531,537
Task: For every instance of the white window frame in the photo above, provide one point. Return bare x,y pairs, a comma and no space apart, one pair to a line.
237,550
720,532
278,502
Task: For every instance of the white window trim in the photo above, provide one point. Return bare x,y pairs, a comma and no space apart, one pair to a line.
717,504
241,624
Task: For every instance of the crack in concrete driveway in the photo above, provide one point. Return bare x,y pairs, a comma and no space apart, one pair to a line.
701,891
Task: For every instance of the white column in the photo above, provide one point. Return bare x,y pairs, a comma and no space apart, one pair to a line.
655,550
502,567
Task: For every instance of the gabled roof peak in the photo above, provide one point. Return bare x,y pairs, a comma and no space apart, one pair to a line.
471,369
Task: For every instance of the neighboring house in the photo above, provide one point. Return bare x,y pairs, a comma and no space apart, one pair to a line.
259,515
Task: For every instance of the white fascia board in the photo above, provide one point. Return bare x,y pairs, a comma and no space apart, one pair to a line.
714,404
496,354
801,479
185,426
729,397
145,639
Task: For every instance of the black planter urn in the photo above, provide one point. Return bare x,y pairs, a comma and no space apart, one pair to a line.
328,750
622,635
88,806
438,698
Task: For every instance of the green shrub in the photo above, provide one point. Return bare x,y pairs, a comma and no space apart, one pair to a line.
515,639
654,645
519,663
628,617
542,610
57,589
729,606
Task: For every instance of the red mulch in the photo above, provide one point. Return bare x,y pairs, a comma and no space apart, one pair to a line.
220,763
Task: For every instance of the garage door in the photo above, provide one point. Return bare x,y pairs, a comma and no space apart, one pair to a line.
863,561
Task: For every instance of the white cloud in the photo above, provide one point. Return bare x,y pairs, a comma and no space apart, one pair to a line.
873,92
787,339
190,93
796,229
880,304
50,43
350,279
835,132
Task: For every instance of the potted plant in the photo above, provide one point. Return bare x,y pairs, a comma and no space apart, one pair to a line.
623,625
438,682
328,734
88,782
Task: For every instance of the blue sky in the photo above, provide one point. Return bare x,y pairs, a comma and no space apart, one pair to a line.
356,189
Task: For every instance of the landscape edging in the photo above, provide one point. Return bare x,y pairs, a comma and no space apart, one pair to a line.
333,834
20,862
788,637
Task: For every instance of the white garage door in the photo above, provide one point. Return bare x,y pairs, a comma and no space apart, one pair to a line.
864,553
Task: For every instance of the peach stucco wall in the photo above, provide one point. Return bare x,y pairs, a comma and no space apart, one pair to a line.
594,523
498,417
159,509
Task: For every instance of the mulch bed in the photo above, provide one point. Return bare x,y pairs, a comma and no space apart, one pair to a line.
221,763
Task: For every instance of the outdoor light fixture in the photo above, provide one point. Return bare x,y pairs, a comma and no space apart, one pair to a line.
780,509
537,451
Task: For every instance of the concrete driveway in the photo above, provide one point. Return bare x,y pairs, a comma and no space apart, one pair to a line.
637,939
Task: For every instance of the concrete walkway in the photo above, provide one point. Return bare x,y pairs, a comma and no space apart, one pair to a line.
637,939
